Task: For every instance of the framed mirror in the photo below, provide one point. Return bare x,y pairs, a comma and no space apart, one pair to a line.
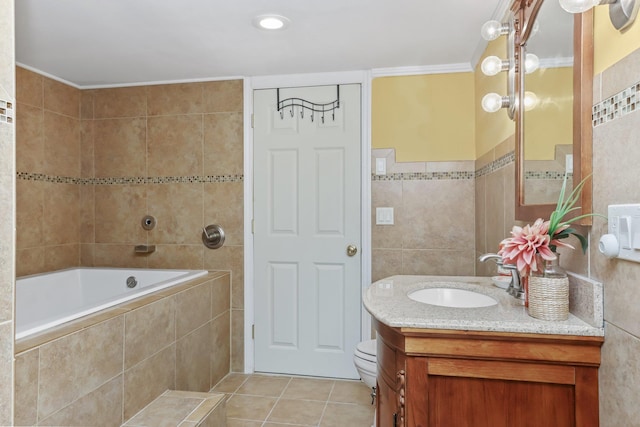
553,120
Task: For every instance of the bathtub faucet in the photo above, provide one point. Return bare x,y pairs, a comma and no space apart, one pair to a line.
515,286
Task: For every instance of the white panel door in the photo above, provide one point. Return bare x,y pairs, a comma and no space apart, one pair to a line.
306,213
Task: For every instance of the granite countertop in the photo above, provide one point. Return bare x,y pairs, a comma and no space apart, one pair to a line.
388,302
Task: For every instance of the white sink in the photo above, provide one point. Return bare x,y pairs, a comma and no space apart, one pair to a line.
452,297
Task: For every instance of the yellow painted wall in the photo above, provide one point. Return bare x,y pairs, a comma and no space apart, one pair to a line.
425,117
551,121
610,46
491,128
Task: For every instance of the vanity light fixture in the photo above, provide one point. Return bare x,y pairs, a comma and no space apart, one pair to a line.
491,30
621,12
493,102
271,22
492,65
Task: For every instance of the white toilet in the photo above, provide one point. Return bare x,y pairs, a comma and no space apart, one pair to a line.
364,357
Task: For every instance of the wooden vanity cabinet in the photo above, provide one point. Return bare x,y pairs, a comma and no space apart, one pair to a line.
442,378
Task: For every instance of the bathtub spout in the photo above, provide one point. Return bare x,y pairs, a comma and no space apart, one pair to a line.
145,249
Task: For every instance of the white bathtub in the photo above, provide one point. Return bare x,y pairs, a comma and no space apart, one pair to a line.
50,299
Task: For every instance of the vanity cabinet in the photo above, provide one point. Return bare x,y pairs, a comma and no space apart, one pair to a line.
441,378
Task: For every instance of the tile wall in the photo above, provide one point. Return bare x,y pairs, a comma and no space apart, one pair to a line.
48,166
616,153
7,207
494,201
92,163
116,362
543,178
433,231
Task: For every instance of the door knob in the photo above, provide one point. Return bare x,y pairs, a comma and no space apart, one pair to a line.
352,250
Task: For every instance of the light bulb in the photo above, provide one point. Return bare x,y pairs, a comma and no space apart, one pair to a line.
492,102
578,6
531,101
531,63
491,65
271,22
491,30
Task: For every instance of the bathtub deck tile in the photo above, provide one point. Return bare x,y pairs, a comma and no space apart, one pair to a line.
213,275
180,408
31,342
141,302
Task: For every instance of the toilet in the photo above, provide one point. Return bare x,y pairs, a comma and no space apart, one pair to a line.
364,357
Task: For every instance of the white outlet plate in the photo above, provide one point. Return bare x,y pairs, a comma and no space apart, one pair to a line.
568,163
384,216
624,223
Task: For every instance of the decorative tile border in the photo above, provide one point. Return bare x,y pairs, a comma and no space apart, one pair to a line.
424,176
616,106
6,111
549,175
493,166
130,180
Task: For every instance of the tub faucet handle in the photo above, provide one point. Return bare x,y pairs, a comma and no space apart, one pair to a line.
213,236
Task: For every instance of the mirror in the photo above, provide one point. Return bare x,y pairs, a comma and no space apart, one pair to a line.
557,124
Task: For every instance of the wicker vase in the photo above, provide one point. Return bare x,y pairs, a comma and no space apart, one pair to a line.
548,291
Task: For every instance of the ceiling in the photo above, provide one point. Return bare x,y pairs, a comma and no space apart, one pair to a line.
93,43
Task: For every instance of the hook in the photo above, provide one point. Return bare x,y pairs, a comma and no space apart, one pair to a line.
312,117
302,113
281,115
322,117
291,110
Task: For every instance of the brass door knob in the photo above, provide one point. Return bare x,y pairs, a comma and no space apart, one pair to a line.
352,250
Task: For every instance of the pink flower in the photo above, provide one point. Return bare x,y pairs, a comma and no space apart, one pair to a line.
525,243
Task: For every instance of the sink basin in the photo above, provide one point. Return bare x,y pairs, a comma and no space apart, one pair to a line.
452,297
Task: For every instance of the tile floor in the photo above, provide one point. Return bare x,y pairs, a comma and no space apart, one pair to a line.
271,401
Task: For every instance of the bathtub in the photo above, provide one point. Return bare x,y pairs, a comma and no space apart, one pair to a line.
50,299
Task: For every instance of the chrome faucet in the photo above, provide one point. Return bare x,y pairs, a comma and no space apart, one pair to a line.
515,286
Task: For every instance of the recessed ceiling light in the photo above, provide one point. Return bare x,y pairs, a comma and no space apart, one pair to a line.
271,22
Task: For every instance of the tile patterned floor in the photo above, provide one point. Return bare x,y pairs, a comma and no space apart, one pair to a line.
273,401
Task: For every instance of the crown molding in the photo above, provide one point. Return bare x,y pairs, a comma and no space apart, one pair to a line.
464,67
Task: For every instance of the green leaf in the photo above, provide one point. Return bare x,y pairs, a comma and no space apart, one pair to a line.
583,242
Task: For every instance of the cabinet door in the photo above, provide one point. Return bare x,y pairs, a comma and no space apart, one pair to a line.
494,394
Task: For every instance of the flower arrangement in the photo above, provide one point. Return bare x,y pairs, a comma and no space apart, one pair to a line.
544,237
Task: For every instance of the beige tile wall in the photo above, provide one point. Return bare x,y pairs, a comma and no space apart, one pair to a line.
112,369
171,151
494,202
616,151
47,146
433,231
7,215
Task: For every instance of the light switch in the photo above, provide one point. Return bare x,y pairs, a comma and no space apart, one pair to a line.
384,216
624,232
381,166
